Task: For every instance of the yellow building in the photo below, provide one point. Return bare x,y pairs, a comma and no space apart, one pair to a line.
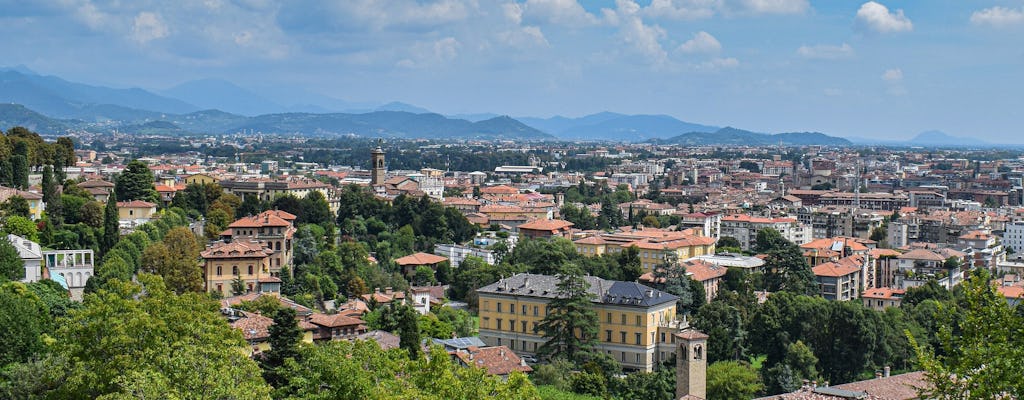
246,260
135,211
273,229
636,321
201,179
34,200
654,246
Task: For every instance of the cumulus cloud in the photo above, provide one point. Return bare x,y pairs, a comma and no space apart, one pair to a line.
892,75
513,12
825,52
716,64
998,17
560,12
524,37
681,9
877,17
702,42
147,27
426,54
775,6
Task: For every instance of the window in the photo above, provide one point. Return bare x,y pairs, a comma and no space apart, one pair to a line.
623,319
486,323
522,325
524,309
220,288
638,358
638,320
511,344
250,270
622,337
219,268
637,337
498,326
487,306
234,270
608,336
499,306
535,309
534,327
512,325
663,337
609,318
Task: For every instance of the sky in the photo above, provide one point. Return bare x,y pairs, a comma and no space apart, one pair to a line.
885,69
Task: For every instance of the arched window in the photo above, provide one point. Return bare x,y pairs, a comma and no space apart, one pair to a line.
250,270
234,270
278,245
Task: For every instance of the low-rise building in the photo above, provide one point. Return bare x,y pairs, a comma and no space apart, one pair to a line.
457,253
881,298
839,280
134,213
247,261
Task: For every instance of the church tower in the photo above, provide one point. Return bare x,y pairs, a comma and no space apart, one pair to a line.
691,365
377,165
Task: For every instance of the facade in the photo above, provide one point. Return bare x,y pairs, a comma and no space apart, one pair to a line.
409,263
135,212
273,229
745,227
31,254
881,298
76,266
629,313
35,200
654,246
457,253
709,223
545,228
1013,236
224,262
378,169
839,280
200,179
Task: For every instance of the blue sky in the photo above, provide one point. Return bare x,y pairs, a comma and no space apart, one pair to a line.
886,69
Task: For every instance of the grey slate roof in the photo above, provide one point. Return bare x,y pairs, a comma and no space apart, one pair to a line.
604,291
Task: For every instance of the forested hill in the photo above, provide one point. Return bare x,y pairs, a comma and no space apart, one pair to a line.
733,136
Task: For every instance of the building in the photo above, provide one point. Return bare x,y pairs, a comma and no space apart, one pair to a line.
76,266
545,228
709,275
731,260
273,229
458,253
881,298
840,280
34,200
882,387
378,171
744,228
31,254
247,261
710,223
134,213
498,360
1013,236
200,179
918,266
691,365
630,316
99,189
336,327
409,263
655,246
270,189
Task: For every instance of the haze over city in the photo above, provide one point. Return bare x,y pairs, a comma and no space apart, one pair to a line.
882,70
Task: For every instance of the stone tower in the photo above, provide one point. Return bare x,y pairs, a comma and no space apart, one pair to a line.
691,365
377,165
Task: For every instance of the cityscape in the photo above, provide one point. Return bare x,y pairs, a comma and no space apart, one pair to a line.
244,225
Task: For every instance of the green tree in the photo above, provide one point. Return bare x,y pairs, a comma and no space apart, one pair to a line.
982,348
237,286
787,269
24,319
21,226
728,241
409,330
111,227
91,213
285,336
16,205
729,380
725,326
571,323
19,171
424,276
12,267
176,260
52,198
672,277
131,335
136,182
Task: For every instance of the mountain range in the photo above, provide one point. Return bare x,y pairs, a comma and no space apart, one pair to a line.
51,104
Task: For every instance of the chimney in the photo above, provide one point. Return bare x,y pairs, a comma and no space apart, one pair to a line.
526,281
886,371
470,356
650,293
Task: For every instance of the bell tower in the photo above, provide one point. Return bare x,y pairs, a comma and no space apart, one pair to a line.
377,165
691,365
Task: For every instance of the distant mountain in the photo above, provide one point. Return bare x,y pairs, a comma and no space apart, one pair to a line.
403,107
12,115
616,127
939,138
58,98
397,124
477,117
153,128
223,95
733,136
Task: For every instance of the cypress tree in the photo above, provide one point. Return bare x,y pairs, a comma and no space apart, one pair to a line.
110,225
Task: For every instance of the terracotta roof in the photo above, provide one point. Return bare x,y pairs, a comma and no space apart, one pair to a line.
546,225
878,253
333,320
236,249
834,269
420,259
266,218
896,387
691,334
95,184
702,271
883,293
386,340
254,326
497,360
230,302
500,189
135,204
591,240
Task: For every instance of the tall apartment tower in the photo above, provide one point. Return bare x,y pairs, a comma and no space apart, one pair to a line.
377,170
691,365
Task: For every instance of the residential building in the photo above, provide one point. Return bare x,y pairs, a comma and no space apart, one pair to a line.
274,229
34,200
630,315
497,360
457,253
31,254
134,213
1013,236
76,266
409,263
709,275
710,223
248,261
744,228
545,228
840,280
881,298
655,246
336,327
200,179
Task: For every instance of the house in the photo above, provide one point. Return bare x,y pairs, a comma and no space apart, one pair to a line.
917,266
34,200
654,245
76,266
881,298
885,387
410,262
545,228
708,274
99,189
497,360
457,253
200,179
301,311
134,213
633,317
336,326
31,254
384,297
386,340
247,261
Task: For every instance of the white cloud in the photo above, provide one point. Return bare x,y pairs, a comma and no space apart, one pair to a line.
148,26
716,64
560,12
702,42
998,17
681,9
892,75
524,37
513,12
775,6
426,54
876,17
700,9
644,38
825,52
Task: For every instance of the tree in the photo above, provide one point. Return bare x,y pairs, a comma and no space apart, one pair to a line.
12,267
789,375
732,380
51,197
285,336
111,227
19,171
878,234
91,213
16,205
238,286
24,319
725,327
983,350
728,241
315,209
130,336
21,226
787,269
135,183
175,259
571,323
424,276
672,277
409,330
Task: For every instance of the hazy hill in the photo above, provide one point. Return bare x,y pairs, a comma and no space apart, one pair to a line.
733,136
397,124
404,107
616,127
223,95
12,115
939,138
59,98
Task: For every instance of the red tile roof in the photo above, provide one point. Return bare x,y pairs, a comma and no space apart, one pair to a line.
334,320
236,249
420,259
135,204
546,225
497,360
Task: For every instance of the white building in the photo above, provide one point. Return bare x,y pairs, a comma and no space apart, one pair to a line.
31,254
458,253
1013,236
745,227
